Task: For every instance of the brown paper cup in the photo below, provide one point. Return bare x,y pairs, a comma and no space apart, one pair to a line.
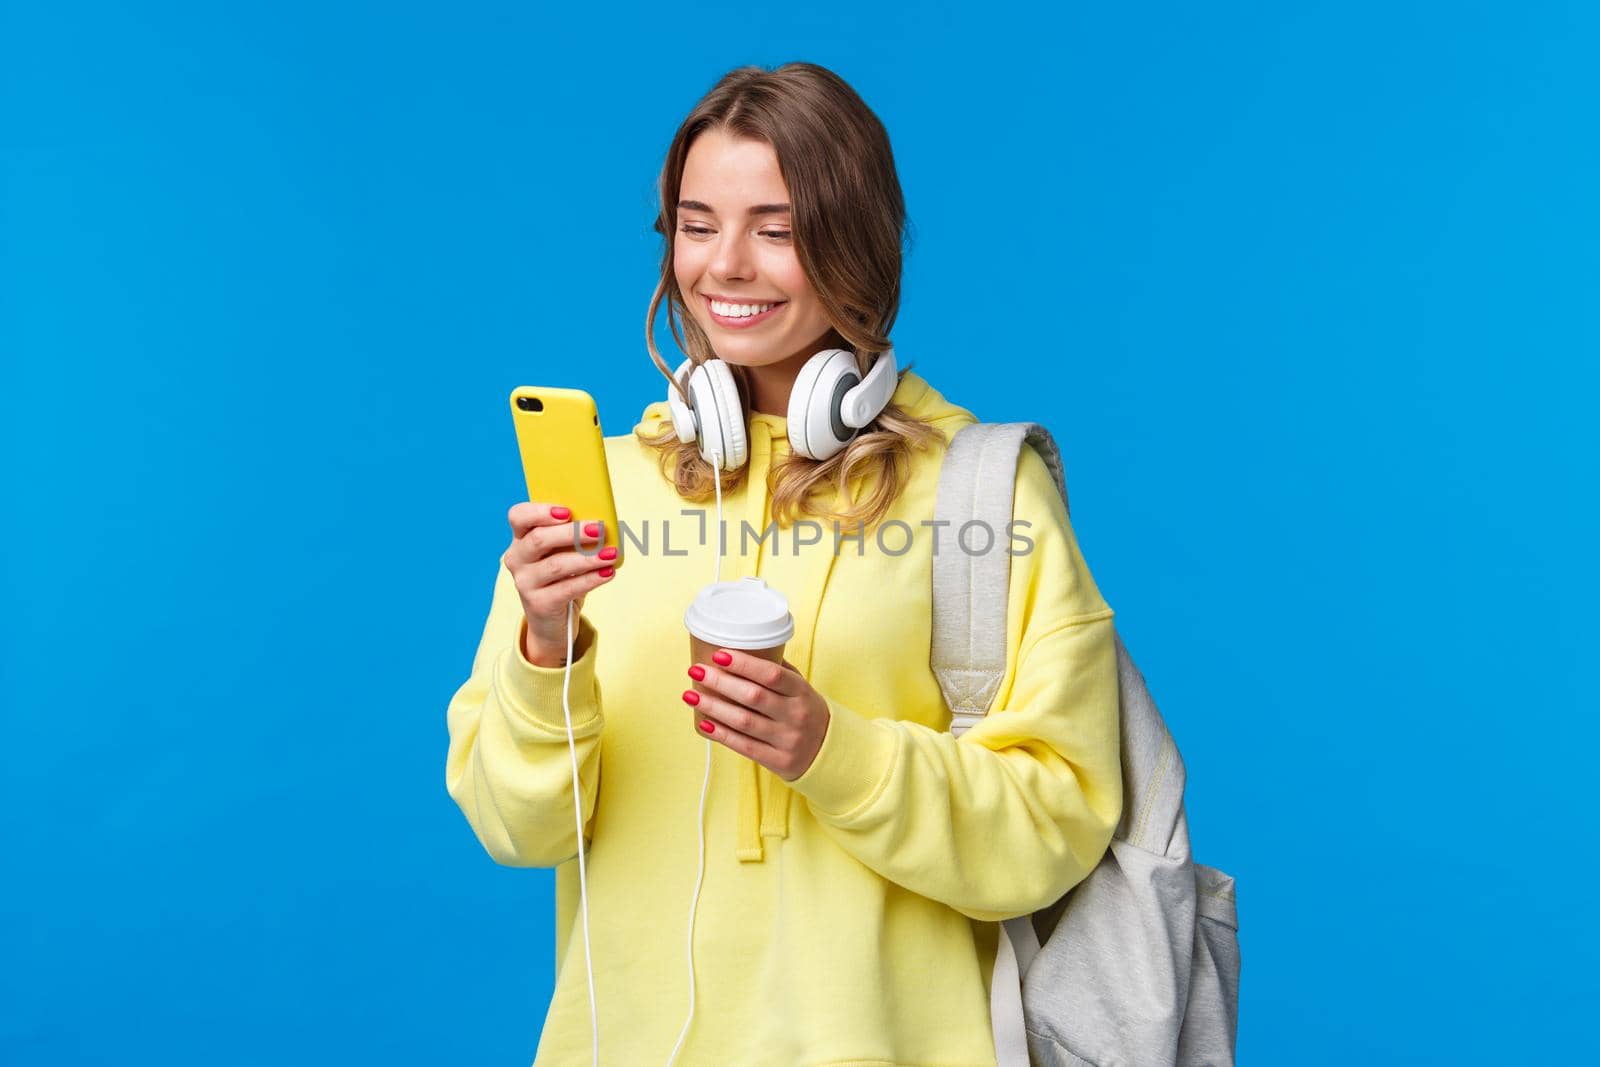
736,615
700,652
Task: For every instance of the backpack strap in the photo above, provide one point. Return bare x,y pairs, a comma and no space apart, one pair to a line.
977,483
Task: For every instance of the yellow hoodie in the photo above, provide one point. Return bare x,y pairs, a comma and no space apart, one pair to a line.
848,917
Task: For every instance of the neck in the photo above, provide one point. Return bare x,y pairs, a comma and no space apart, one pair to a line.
770,385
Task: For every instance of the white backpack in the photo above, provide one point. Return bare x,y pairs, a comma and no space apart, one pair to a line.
1138,964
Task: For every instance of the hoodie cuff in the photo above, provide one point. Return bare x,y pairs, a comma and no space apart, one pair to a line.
534,693
852,766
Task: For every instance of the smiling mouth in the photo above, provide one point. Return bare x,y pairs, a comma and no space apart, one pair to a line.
742,322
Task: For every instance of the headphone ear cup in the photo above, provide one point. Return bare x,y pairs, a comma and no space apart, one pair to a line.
816,428
719,414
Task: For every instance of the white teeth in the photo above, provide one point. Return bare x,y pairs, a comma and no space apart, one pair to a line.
739,311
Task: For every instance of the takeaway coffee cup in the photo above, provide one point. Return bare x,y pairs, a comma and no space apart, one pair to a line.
746,614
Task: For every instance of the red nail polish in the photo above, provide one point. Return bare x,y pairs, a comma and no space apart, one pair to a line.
691,697
697,672
559,512
722,658
705,725
606,572
591,529
608,552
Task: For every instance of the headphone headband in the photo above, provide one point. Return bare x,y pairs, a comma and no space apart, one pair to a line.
867,400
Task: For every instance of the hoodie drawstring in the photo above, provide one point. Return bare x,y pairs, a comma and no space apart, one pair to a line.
764,801
764,798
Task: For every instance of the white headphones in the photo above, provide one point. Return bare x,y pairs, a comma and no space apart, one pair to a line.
829,404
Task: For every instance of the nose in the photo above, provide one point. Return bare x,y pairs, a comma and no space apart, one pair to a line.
732,259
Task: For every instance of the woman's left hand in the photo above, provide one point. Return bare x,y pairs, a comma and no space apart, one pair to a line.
760,709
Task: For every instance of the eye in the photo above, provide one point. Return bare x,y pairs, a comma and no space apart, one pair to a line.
698,230
782,235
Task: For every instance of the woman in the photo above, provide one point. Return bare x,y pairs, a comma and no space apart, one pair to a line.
857,856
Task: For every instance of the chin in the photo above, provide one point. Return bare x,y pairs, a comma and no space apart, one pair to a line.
766,357
744,351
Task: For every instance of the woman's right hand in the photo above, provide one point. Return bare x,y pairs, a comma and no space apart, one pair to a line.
550,573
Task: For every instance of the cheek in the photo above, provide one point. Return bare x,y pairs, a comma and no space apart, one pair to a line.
792,279
811,315
685,266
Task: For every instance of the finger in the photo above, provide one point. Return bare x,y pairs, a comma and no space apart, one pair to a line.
745,745
740,690
551,597
547,539
561,565
528,514
782,678
575,534
734,718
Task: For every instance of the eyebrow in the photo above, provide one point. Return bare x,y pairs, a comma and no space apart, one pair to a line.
759,209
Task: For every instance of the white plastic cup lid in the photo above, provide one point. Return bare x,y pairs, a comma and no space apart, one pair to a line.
745,613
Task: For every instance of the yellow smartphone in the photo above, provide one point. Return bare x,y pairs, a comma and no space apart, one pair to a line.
564,455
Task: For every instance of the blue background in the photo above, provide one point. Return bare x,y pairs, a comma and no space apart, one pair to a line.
1307,296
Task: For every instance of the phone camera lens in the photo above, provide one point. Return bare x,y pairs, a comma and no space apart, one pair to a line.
530,403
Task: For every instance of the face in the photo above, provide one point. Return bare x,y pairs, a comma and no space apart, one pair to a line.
735,246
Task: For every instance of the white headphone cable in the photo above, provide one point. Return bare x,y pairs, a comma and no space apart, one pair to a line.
577,807
700,824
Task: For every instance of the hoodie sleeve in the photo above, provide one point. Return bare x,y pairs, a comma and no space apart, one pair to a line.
1005,819
509,766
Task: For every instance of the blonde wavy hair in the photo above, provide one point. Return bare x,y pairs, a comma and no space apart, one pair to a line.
848,219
